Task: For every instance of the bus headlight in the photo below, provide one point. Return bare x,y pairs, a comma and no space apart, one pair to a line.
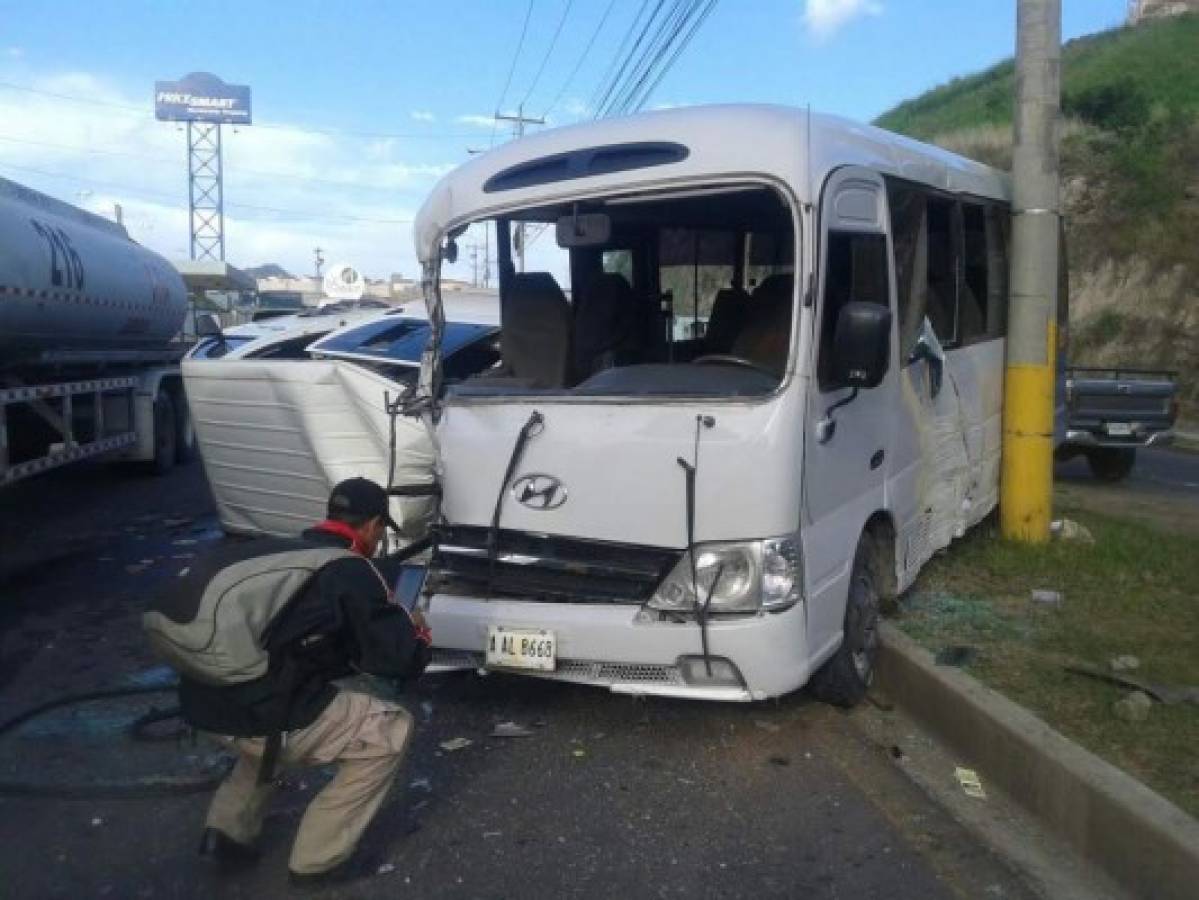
782,573
740,577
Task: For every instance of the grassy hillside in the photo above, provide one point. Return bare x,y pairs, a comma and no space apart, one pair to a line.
1130,183
1155,64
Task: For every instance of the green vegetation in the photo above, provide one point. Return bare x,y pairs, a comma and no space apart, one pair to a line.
1116,77
1131,592
1130,175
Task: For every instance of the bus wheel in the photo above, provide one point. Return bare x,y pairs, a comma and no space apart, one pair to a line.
846,676
165,433
1111,463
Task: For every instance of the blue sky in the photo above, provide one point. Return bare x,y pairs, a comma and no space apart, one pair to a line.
400,90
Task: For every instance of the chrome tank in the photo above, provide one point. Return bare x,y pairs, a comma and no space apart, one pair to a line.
71,280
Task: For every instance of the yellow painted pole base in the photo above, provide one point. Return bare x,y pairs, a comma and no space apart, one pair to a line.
1026,476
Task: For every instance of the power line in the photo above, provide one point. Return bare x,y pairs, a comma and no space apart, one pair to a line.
549,52
141,193
668,26
579,63
524,29
677,53
306,129
608,72
105,151
628,57
644,64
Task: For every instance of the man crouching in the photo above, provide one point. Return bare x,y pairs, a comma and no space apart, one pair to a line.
341,621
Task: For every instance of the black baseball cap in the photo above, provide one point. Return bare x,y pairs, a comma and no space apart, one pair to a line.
360,497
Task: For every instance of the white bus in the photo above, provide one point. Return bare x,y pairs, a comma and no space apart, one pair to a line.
751,382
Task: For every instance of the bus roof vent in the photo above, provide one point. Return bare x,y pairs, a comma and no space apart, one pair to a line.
585,163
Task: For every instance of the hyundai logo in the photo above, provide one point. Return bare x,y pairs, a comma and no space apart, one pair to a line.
539,491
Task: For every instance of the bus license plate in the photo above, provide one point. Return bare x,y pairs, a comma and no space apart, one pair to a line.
517,648
1119,429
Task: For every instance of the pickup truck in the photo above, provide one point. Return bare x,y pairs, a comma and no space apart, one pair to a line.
1112,412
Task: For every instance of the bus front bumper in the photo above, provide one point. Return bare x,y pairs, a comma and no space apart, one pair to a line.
618,647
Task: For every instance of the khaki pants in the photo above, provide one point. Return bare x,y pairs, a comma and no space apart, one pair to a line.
365,736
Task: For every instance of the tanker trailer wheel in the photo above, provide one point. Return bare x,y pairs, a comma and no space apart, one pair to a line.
185,432
846,676
1111,463
165,433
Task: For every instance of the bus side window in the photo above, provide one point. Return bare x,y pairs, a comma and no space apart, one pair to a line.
941,273
909,238
998,225
856,270
973,292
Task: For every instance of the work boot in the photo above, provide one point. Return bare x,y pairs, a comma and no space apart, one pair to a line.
352,869
218,846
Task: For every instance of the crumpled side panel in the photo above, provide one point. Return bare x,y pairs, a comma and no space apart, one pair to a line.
276,436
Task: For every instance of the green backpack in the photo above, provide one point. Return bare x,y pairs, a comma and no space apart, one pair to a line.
214,631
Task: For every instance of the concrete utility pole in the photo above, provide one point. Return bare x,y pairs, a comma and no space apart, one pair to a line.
1026,485
318,260
519,121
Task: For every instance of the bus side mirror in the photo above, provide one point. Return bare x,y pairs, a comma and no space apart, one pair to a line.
861,345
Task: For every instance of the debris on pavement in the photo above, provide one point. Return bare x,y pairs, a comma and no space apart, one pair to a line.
971,784
780,761
578,754
1163,693
1134,707
510,730
385,869
421,784
97,822
1069,530
458,743
1048,598
1124,663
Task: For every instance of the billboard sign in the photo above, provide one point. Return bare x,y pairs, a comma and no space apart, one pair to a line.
202,97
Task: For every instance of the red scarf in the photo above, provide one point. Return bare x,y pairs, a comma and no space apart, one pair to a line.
341,529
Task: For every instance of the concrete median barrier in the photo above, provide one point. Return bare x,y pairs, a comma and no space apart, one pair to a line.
1139,838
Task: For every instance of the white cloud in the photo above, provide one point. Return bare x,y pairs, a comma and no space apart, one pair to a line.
576,108
477,121
14,52
423,115
286,190
823,18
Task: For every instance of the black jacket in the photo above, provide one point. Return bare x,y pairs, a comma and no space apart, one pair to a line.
341,623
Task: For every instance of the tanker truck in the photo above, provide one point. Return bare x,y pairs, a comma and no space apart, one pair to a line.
89,346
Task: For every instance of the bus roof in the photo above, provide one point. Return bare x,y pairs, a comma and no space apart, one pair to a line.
656,149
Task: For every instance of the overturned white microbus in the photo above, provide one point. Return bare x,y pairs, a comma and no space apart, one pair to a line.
756,389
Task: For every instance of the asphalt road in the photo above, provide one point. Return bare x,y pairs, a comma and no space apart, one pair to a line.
1157,470
608,797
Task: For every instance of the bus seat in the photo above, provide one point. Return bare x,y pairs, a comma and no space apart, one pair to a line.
535,338
766,337
606,324
730,310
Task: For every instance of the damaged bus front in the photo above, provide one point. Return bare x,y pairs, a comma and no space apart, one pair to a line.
699,466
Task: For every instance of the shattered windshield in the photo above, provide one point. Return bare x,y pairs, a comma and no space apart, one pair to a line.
686,293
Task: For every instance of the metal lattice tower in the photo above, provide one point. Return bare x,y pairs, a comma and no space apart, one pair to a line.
206,191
